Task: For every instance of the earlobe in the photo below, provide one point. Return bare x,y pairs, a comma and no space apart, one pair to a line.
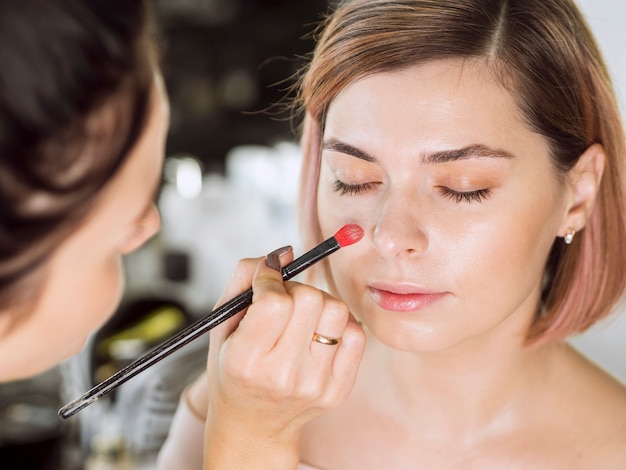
584,184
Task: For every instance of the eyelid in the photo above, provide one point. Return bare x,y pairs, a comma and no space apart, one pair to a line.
352,176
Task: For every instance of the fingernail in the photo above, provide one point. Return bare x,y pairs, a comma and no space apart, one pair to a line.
273,259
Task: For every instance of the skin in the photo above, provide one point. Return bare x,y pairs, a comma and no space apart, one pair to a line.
84,280
448,281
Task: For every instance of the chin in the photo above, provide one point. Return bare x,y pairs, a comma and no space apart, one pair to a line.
410,336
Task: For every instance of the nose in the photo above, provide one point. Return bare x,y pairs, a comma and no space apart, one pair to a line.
147,227
398,232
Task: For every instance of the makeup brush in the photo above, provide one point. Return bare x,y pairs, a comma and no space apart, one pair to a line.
347,235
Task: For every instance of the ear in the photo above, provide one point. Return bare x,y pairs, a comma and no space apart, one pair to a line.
583,182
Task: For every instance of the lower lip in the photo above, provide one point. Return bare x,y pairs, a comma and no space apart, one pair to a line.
403,302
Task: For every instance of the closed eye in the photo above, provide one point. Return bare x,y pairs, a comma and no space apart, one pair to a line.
352,189
478,195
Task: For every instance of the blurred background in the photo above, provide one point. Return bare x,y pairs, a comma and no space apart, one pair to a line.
226,63
229,192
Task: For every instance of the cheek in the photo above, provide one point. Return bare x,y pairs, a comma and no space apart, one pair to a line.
74,304
95,295
95,303
503,260
105,291
334,211
102,296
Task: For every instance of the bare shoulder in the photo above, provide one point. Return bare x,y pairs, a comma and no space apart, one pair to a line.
594,407
592,382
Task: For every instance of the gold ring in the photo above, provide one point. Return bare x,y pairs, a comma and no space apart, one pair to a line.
325,339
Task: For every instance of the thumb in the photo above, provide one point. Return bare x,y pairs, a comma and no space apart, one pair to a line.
241,281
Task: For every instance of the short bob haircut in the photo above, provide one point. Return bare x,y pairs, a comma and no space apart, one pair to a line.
543,53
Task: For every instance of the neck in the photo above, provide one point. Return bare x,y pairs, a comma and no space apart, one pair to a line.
463,389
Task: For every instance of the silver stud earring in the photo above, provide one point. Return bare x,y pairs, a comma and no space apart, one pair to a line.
569,236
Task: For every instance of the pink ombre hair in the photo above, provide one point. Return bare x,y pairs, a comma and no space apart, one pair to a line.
543,52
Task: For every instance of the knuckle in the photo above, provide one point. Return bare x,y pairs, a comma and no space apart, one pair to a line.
337,308
275,302
312,392
309,297
334,400
354,338
238,370
283,384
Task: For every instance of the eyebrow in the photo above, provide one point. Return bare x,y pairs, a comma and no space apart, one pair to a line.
341,147
464,153
442,156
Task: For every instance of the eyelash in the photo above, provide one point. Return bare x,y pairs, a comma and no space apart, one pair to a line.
352,189
478,195
459,197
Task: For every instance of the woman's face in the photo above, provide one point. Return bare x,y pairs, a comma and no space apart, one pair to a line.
458,198
84,280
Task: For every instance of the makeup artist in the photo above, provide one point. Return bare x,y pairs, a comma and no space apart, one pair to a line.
479,145
83,120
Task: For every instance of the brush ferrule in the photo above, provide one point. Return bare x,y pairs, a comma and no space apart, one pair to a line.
310,257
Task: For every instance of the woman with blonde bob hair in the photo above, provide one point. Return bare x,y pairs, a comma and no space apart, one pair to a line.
479,145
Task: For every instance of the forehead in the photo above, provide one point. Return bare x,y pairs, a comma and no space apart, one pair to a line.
450,101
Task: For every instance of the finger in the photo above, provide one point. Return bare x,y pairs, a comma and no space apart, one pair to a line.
349,354
309,305
330,327
271,307
268,276
315,311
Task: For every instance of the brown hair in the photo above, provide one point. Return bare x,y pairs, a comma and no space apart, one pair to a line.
543,52
75,89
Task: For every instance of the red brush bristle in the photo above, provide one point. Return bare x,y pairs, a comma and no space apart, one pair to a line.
349,234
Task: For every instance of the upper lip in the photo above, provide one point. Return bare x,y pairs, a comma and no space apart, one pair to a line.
403,288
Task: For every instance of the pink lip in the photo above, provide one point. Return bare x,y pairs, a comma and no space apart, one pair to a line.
403,298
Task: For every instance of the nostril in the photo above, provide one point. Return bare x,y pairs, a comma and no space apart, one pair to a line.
398,241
